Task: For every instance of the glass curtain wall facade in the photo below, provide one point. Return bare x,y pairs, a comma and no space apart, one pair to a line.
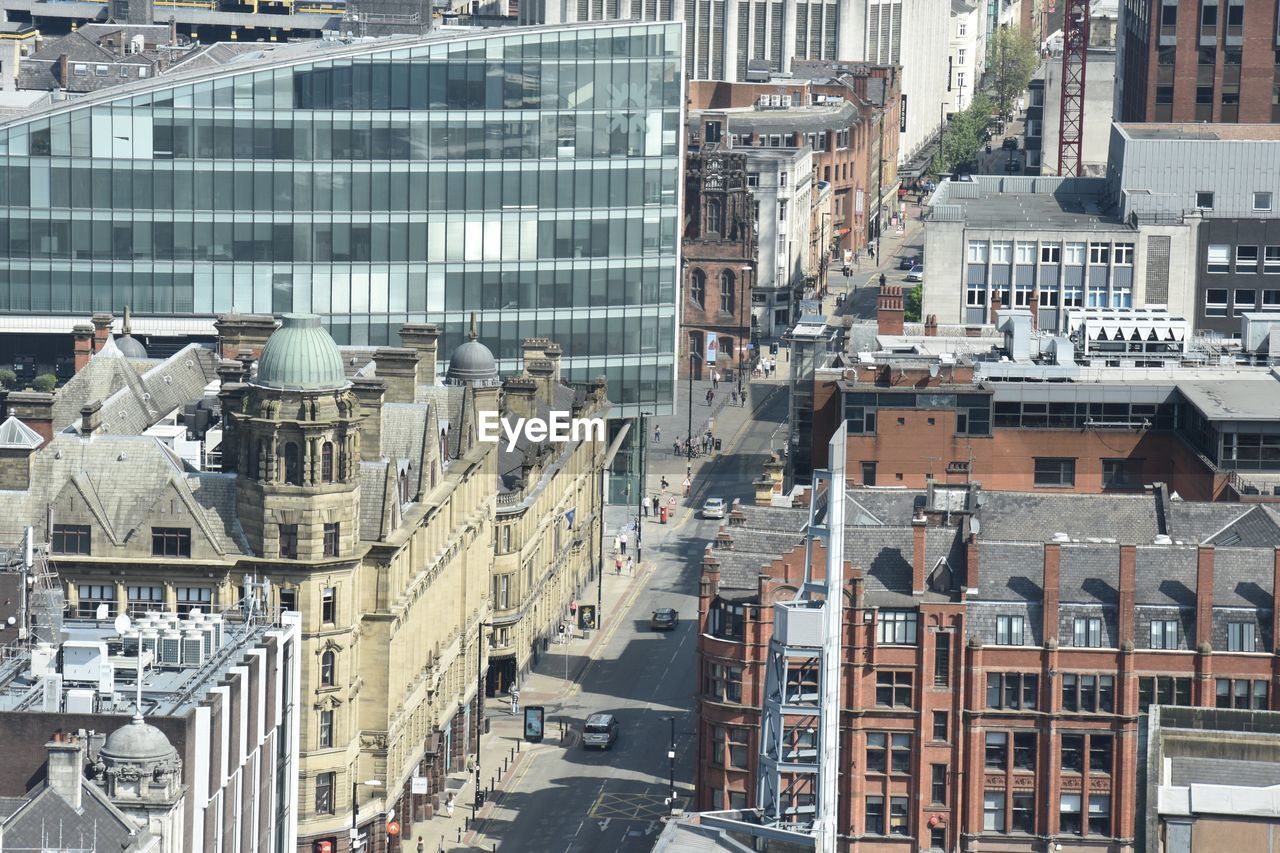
530,176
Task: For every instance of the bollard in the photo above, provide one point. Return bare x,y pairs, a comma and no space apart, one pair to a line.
460,832
504,765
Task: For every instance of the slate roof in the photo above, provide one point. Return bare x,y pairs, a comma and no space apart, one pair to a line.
1242,577
1034,517
1088,574
1010,571
510,461
47,821
373,485
119,479
132,401
880,506
1256,527
447,401
1165,575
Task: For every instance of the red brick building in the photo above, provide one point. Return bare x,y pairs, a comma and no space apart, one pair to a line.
1192,61
1000,651
719,250
855,148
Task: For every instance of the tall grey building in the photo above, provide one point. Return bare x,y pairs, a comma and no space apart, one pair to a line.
738,40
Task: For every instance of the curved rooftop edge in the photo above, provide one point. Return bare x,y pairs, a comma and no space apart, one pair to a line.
288,54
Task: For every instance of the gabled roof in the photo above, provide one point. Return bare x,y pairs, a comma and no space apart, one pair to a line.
46,821
15,434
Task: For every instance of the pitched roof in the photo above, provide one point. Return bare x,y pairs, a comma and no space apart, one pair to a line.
1165,575
47,821
118,480
1010,571
1034,517
1242,577
133,401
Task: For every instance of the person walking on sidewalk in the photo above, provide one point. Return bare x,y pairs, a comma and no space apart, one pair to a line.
656,501
711,395
715,379
657,434
631,566
645,504
882,279
622,544
617,565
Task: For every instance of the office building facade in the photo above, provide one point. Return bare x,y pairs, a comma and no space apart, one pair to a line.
1187,60
530,177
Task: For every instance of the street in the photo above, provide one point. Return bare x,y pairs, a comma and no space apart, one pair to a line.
565,798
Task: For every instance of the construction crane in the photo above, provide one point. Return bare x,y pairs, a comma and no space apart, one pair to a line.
1075,50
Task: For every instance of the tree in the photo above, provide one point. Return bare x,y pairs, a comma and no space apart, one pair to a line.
964,135
44,383
8,378
1014,59
911,304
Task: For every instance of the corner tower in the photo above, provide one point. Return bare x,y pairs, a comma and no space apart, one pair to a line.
297,433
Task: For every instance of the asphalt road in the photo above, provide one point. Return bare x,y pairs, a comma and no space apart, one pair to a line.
571,800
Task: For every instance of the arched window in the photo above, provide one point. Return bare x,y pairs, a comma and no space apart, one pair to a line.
698,288
292,465
715,217
328,668
326,462
727,292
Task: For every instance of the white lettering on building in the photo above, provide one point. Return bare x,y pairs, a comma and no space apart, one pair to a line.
559,427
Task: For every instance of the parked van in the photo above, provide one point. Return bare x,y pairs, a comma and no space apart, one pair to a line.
600,731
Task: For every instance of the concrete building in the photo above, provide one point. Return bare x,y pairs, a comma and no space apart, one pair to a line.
719,248
785,193
967,59
729,40
1210,779
1098,103
1049,244
1002,653
216,754
1224,178
1187,61
441,191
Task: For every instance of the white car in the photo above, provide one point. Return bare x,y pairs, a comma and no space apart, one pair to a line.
714,508
916,273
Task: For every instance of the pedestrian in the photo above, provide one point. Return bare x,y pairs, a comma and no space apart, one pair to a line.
733,398
617,565
847,272
622,543
656,500
882,279
422,845
657,434
665,485
631,566
645,504
617,544
715,379
448,805
710,394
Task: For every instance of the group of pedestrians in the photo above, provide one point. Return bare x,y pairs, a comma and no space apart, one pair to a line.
621,559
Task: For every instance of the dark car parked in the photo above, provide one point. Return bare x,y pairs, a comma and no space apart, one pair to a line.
908,262
1013,166
664,619
1010,143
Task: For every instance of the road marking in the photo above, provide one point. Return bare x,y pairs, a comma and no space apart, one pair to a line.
604,824
638,807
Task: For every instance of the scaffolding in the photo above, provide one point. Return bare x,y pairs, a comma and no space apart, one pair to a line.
800,730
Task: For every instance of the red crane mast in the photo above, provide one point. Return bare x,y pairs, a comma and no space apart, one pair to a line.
1075,49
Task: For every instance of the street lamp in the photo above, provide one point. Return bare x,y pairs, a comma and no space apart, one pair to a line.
355,790
746,295
671,759
693,356
480,671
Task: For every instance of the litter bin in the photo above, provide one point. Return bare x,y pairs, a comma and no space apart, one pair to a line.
662,514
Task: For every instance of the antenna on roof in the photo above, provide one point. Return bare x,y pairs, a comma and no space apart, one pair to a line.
122,624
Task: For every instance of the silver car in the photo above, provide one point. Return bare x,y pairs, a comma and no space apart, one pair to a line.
714,508
600,731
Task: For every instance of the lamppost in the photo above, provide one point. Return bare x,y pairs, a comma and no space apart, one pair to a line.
746,296
480,670
671,760
355,790
693,356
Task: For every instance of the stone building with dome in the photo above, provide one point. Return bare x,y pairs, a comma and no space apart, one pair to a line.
353,484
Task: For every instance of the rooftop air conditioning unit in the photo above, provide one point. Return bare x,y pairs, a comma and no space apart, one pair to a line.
171,648
81,700
192,647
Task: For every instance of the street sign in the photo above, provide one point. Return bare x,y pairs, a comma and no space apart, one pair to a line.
418,785
393,828
534,716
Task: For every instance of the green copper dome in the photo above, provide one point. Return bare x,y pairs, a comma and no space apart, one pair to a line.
301,356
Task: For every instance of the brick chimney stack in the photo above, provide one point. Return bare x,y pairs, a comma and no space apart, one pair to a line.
83,334
101,329
889,310
931,326
995,305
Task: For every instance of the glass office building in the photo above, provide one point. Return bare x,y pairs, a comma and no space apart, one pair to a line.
528,175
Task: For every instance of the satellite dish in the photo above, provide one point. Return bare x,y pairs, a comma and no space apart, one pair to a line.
101,612
933,370
122,623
